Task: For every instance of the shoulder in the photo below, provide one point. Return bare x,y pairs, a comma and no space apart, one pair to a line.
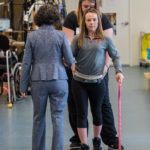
74,41
108,40
105,22
59,34
32,34
71,21
75,38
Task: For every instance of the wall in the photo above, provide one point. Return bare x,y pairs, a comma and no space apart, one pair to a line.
121,39
139,21
71,5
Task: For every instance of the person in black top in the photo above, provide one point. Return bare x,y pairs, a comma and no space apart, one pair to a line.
72,23
71,28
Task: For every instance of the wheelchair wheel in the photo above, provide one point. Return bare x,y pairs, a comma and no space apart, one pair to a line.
17,75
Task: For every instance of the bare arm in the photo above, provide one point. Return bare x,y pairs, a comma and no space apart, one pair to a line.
69,33
109,33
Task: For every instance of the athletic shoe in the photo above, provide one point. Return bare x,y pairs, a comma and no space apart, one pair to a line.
84,147
114,147
97,144
75,143
75,146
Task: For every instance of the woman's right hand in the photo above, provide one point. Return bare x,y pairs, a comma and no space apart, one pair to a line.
73,68
119,77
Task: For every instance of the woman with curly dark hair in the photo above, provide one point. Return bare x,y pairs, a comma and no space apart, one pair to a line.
48,15
44,51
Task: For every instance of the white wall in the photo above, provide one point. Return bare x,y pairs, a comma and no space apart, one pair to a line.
121,39
139,21
71,5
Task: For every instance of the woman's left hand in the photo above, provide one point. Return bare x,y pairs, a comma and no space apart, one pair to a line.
119,76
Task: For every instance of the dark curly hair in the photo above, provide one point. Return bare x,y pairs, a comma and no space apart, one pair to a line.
47,15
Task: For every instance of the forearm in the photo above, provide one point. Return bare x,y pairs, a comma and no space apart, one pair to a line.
117,66
107,64
107,60
108,33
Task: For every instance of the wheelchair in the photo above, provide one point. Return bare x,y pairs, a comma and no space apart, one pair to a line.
10,71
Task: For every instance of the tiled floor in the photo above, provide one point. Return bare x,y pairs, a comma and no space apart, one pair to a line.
16,123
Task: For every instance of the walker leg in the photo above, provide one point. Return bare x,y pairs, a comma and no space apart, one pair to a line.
119,115
8,55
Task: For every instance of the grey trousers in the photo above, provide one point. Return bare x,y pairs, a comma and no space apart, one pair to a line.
57,91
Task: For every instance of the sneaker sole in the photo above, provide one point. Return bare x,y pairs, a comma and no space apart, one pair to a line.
109,148
74,148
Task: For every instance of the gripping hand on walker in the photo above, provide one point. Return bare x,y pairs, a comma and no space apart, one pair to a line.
119,77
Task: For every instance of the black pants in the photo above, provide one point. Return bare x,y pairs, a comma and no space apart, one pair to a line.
108,132
94,92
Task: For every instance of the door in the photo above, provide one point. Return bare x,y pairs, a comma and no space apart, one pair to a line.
121,39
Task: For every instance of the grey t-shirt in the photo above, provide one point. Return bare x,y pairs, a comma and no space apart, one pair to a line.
91,57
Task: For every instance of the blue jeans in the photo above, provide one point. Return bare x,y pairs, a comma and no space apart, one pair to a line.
57,91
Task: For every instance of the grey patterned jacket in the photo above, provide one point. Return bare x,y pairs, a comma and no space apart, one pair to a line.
44,51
